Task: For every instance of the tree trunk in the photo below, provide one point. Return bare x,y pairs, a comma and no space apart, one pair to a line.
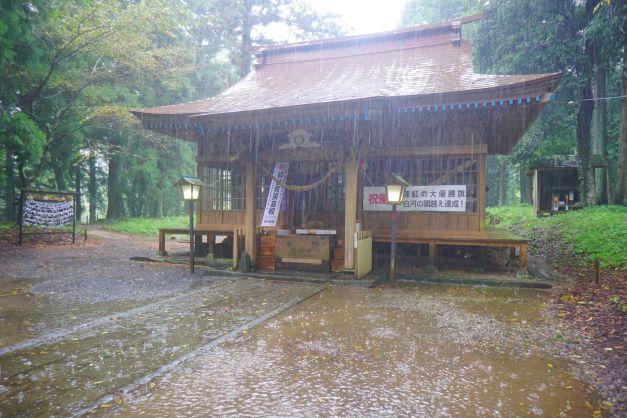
157,211
131,199
114,188
59,176
584,117
621,181
93,186
599,135
77,189
584,120
9,195
247,25
501,182
526,186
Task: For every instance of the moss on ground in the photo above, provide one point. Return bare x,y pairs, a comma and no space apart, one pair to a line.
598,232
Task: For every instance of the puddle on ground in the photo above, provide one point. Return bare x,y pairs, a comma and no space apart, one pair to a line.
429,351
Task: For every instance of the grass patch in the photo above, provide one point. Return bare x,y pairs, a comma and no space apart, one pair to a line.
598,232
145,226
6,227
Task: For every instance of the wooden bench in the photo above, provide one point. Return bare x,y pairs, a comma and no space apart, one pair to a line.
210,231
483,238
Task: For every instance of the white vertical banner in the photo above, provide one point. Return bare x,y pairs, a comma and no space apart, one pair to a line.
275,194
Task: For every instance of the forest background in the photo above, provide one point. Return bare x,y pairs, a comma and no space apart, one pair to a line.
71,70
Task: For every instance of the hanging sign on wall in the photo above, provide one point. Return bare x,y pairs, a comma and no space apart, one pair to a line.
419,199
275,194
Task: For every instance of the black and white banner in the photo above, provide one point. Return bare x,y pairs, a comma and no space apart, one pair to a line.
48,213
275,194
419,198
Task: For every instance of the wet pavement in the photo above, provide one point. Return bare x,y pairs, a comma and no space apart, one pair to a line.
73,370
86,331
430,351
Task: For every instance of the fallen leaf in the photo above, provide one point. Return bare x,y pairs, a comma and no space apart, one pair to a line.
607,404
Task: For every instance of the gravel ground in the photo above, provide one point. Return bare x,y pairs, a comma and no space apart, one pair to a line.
98,270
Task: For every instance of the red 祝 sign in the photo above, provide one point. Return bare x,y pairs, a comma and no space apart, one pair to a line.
419,198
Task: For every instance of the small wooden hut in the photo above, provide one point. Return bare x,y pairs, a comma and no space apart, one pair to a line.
296,155
556,185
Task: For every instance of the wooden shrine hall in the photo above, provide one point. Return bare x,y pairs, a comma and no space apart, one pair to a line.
295,156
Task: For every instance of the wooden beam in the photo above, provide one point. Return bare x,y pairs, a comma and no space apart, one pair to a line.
249,220
335,153
350,211
425,151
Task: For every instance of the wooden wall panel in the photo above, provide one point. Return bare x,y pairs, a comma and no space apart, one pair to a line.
421,221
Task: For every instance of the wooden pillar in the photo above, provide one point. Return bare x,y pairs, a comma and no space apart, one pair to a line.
249,221
481,190
523,257
235,248
535,196
432,253
211,241
350,211
162,252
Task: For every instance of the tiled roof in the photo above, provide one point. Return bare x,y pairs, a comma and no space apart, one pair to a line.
423,62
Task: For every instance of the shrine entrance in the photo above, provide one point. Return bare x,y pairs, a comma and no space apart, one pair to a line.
315,196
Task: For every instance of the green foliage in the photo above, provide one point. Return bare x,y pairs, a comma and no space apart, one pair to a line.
72,69
509,217
598,232
145,226
579,39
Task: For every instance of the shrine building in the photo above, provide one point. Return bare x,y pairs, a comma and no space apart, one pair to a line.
295,157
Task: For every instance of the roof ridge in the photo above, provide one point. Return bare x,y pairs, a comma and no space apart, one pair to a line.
357,54
449,24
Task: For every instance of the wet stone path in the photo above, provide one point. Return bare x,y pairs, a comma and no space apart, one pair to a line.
68,373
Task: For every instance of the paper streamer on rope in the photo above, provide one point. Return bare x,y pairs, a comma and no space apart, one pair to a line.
48,213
